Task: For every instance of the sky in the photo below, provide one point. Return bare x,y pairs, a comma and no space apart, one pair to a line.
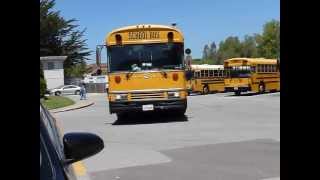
201,21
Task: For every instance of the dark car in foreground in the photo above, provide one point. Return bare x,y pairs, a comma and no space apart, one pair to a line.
57,153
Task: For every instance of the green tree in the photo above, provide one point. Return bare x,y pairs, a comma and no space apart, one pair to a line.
249,47
269,41
59,36
206,52
213,52
229,48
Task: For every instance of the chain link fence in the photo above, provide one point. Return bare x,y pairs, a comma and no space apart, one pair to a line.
90,87
96,87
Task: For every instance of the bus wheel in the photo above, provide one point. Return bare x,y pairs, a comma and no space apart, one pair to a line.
237,93
205,90
58,93
262,88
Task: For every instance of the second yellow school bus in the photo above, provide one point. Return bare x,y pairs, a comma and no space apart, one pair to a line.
252,74
207,78
146,69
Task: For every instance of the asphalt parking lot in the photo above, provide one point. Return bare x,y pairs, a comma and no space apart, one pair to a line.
222,137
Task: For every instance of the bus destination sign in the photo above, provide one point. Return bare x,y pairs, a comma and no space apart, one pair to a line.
144,35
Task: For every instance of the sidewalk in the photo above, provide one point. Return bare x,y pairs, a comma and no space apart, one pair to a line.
78,104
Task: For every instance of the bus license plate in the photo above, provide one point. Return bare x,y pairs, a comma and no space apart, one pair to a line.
147,107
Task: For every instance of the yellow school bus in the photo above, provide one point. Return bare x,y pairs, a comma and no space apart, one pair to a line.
146,69
252,74
207,78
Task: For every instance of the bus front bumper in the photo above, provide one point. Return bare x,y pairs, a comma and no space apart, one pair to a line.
233,89
136,106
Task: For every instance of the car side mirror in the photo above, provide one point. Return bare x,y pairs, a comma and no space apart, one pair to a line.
78,146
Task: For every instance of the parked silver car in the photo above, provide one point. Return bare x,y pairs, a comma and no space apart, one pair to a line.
65,89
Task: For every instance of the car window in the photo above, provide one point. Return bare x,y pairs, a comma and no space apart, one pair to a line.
47,170
52,129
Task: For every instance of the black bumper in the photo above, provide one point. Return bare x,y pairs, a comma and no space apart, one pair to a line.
119,107
241,89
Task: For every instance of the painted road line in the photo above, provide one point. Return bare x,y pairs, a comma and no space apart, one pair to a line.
79,168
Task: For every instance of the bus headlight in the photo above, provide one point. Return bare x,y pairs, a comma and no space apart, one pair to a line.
174,94
121,97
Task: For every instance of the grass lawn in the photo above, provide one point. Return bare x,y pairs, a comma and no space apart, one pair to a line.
53,102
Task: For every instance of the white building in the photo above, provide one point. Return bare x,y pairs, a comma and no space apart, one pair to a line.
53,70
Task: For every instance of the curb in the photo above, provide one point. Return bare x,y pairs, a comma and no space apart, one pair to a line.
70,109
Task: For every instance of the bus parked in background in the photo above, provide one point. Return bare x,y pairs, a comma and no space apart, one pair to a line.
252,74
207,78
146,69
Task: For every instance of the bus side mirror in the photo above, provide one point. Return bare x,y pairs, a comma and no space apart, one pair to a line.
188,51
188,75
98,54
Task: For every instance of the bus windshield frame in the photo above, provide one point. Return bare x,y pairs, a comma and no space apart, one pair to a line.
142,57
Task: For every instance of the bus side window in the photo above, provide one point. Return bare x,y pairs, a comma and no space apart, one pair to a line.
202,73
266,68
211,73
270,68
215,73
253,69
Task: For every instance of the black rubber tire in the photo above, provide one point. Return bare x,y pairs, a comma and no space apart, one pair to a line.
77,92
58,93
205,89
262,88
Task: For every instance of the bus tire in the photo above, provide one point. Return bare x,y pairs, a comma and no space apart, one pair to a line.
237,93
262,88
58,93
205,89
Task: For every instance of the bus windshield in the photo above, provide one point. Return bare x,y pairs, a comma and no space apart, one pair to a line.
145,57
239,71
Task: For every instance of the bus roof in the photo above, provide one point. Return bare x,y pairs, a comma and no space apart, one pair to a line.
155,33
206,66
251,61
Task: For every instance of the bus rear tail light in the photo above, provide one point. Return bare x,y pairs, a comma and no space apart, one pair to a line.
175,76
117,79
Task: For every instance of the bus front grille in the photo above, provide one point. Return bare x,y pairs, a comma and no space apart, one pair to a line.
147,96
